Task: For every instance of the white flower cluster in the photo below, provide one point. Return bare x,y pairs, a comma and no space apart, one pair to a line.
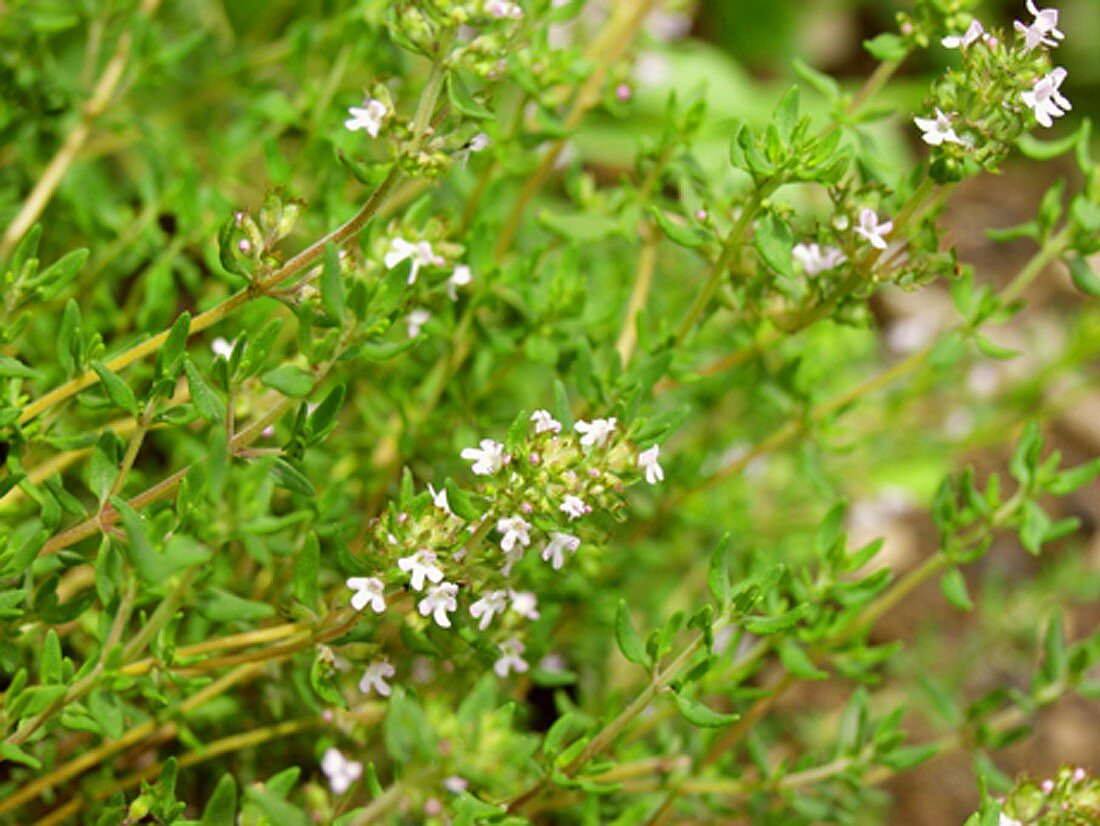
1044,97
567,476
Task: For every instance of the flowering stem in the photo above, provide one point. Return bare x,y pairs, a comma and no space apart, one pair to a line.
608,47
612,730
730,249
95,106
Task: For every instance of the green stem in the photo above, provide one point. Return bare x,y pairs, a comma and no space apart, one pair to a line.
734,241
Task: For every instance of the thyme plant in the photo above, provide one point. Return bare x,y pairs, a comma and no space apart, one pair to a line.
443,411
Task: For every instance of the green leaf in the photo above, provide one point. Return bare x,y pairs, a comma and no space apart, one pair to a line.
174,345
718,576
206,401
765,626
12,752
306,571
49,666
824,84
56,277
1071,479
288,476
104,708
1034,528
684,236
276,808
332,283
218,605
701,715
887,46
773,241
798,662
13,368
289,380
463,101
904,758
221,808
954,589
629,641
117,390
1084,279
583,227
324,415
785,116
992,350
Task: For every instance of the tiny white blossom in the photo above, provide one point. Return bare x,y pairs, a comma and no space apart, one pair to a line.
1044,24
474,145
937,130
369,116
420,253
525,603
816,259
510,658
455,784
872,230
440,600
1005,820
416,320
420,566
1045,98
459,278
961,41
221,348
647,461
487,459
368,591
574,507
595,432
503,9
545,423
487,607
514,529
439,499
554,552
374,678
340,771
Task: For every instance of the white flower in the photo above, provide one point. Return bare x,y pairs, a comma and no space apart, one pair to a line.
420,253
545,423
1045,23
487,607
440,600
554,552
374,678
420,566
459,278
816,259
221,348
369,116
937,130
647,461
416,320
487,459
340,771
368,591
510,659
502,9
514,529
439,499
957,41
872,230
596,432
574,507
475,144
1045,98
525,604
1005,820
455,784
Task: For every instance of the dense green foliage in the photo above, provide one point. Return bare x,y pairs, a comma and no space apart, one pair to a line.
454,411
